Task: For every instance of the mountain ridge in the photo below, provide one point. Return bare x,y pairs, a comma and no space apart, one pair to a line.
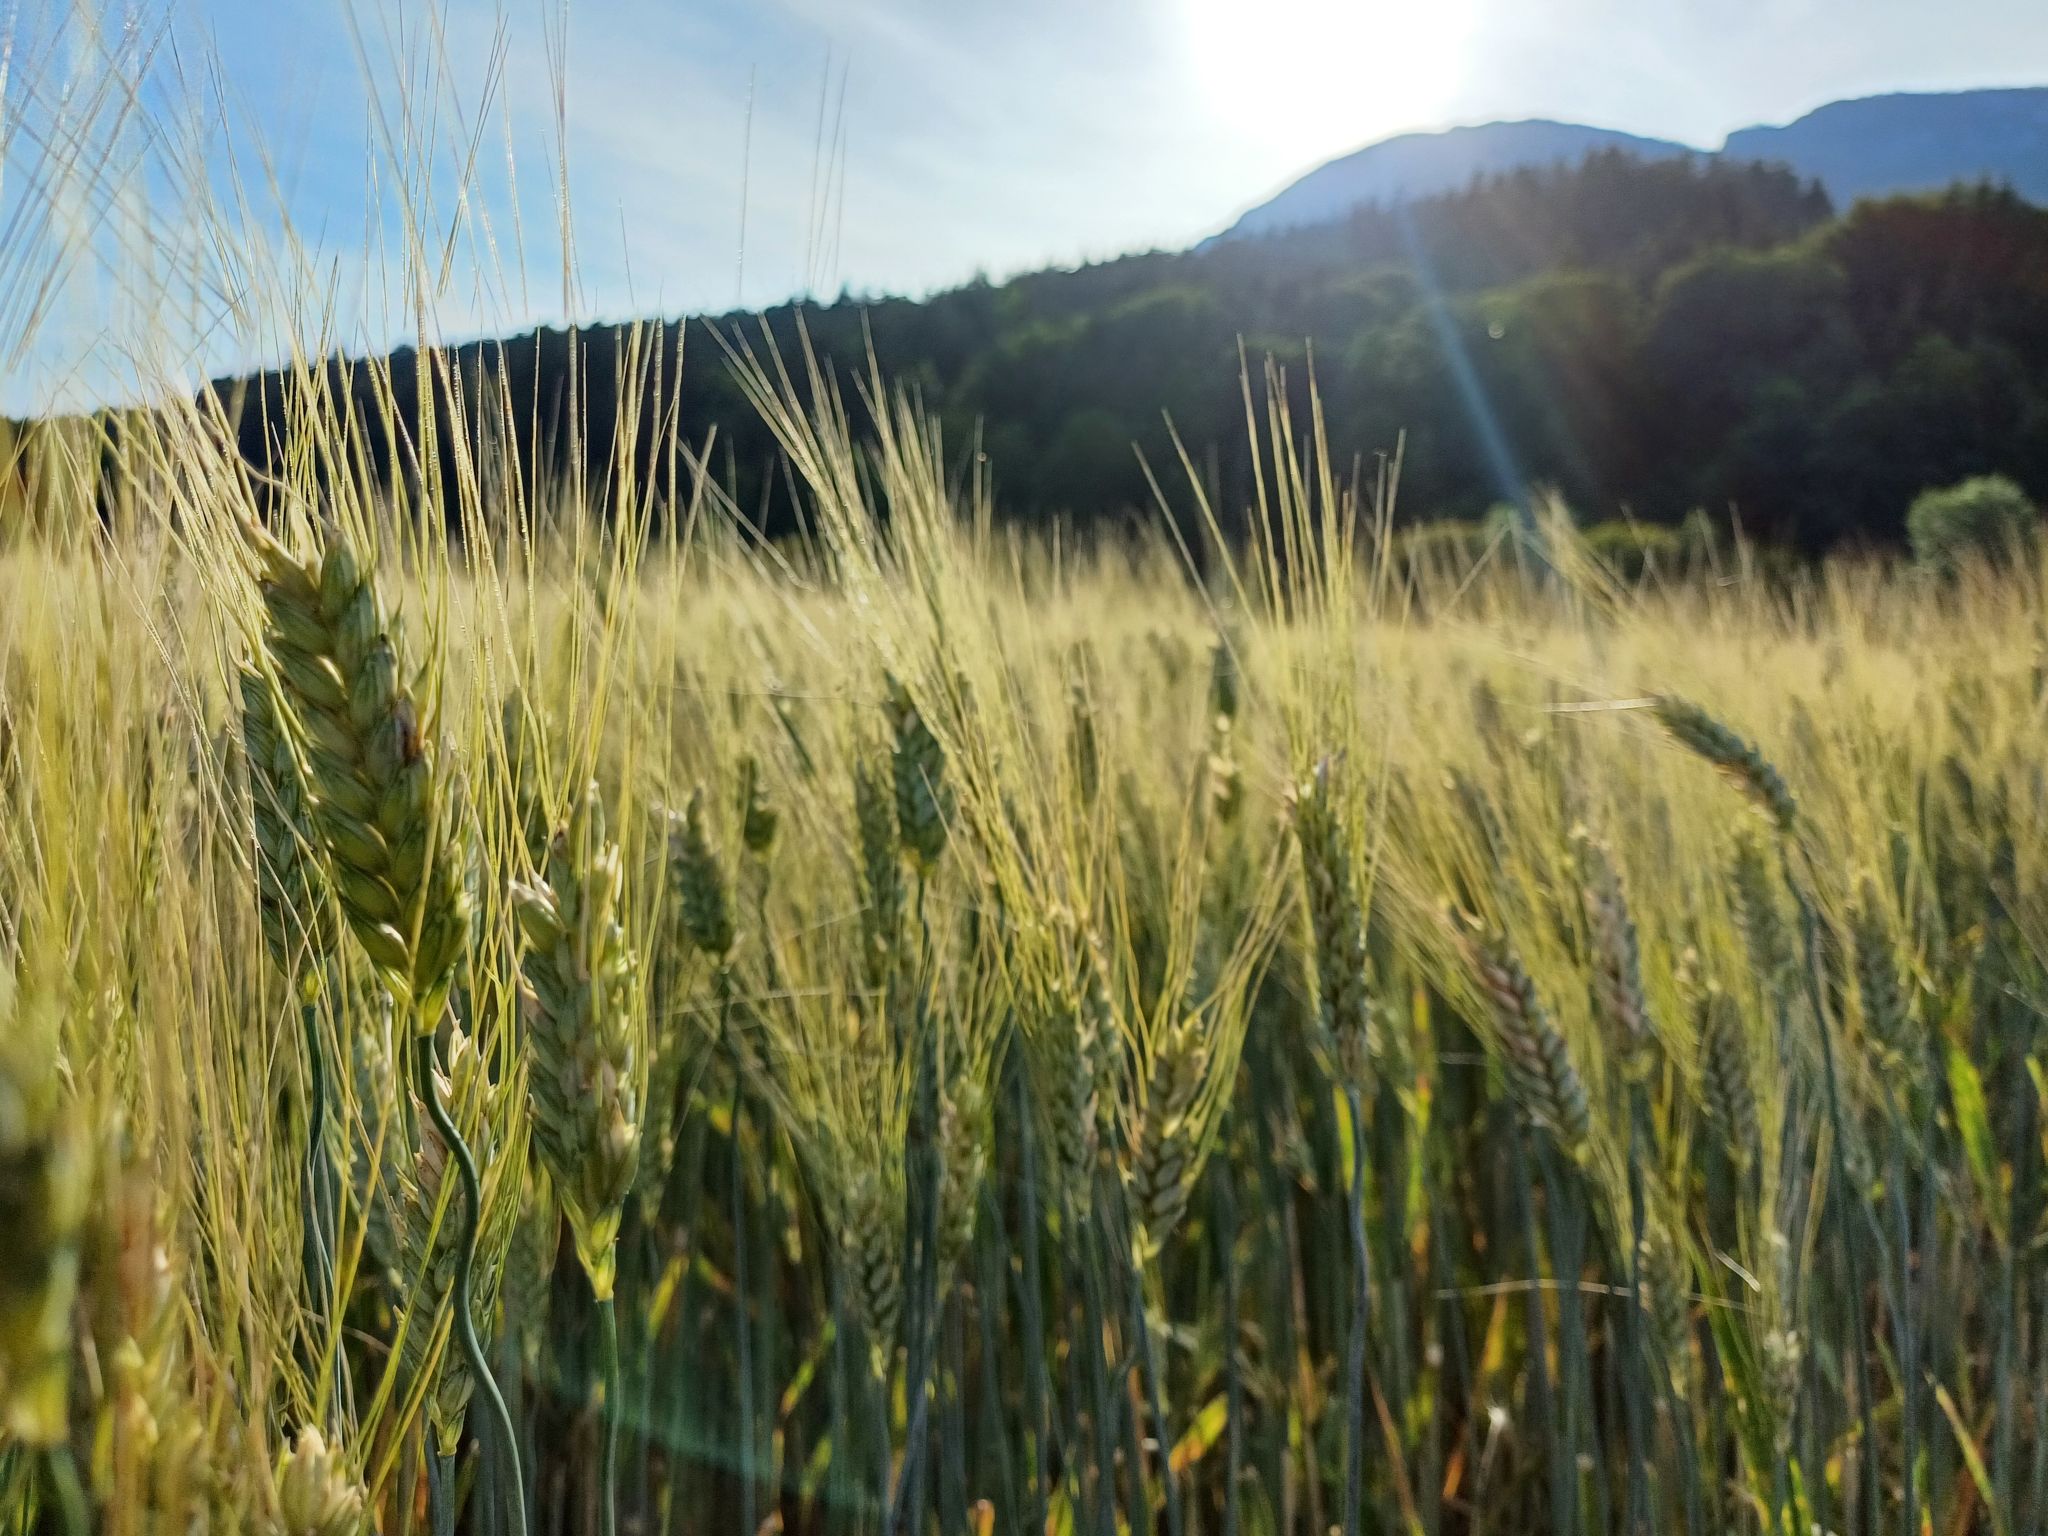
1867,146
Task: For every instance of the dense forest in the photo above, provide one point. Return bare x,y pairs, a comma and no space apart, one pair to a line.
1646,338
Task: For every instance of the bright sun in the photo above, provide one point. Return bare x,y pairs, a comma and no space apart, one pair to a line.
1316,77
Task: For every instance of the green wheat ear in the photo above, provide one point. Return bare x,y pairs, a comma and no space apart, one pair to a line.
317,1494
1336,922
579,996
1725,1085
1618,996
1546,1085
881,913
702,893
1166,1151
383,797
872,1244
292,892
917,763
965,1128
1735,759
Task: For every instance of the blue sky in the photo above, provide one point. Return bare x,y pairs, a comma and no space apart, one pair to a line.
902,145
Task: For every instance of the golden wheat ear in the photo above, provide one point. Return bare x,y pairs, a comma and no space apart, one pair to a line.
580,997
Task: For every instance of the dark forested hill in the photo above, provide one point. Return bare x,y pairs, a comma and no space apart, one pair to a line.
1652,336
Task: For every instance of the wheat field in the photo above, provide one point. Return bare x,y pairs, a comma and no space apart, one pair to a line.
947,1033
526,1007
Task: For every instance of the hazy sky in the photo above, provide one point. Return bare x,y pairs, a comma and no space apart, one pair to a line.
900,145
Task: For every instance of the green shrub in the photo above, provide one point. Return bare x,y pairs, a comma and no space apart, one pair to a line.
1631,550
1987,516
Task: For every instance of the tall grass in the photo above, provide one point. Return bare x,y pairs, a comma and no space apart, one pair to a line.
938,1032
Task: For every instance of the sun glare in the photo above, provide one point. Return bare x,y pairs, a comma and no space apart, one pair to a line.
1315,77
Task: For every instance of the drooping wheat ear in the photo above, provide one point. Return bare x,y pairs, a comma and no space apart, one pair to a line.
871,1243
383,797
1726,1089
963,1147
430,1254
317,1493
1546,1086
1735,759
1617,960
881,913
44,1186
917,769
1165,1153
1336,921
580,998
702,895
758,816
1764,932
292,893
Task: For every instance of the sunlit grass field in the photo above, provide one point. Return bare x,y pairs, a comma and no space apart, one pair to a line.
527,1008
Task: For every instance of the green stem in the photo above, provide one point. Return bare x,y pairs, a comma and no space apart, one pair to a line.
1636,1406
743,1341
66,1490
316,1217
318,1279
440,1490
1859,1355
1361,1325
995,1439
1148,1364
486,1384
1103,1411
1033,1296
1563,1483
1225,1217
839,1488
608,1340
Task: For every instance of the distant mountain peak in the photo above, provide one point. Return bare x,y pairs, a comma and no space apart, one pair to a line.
1871,146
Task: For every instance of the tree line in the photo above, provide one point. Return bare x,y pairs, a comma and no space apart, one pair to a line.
1646,338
